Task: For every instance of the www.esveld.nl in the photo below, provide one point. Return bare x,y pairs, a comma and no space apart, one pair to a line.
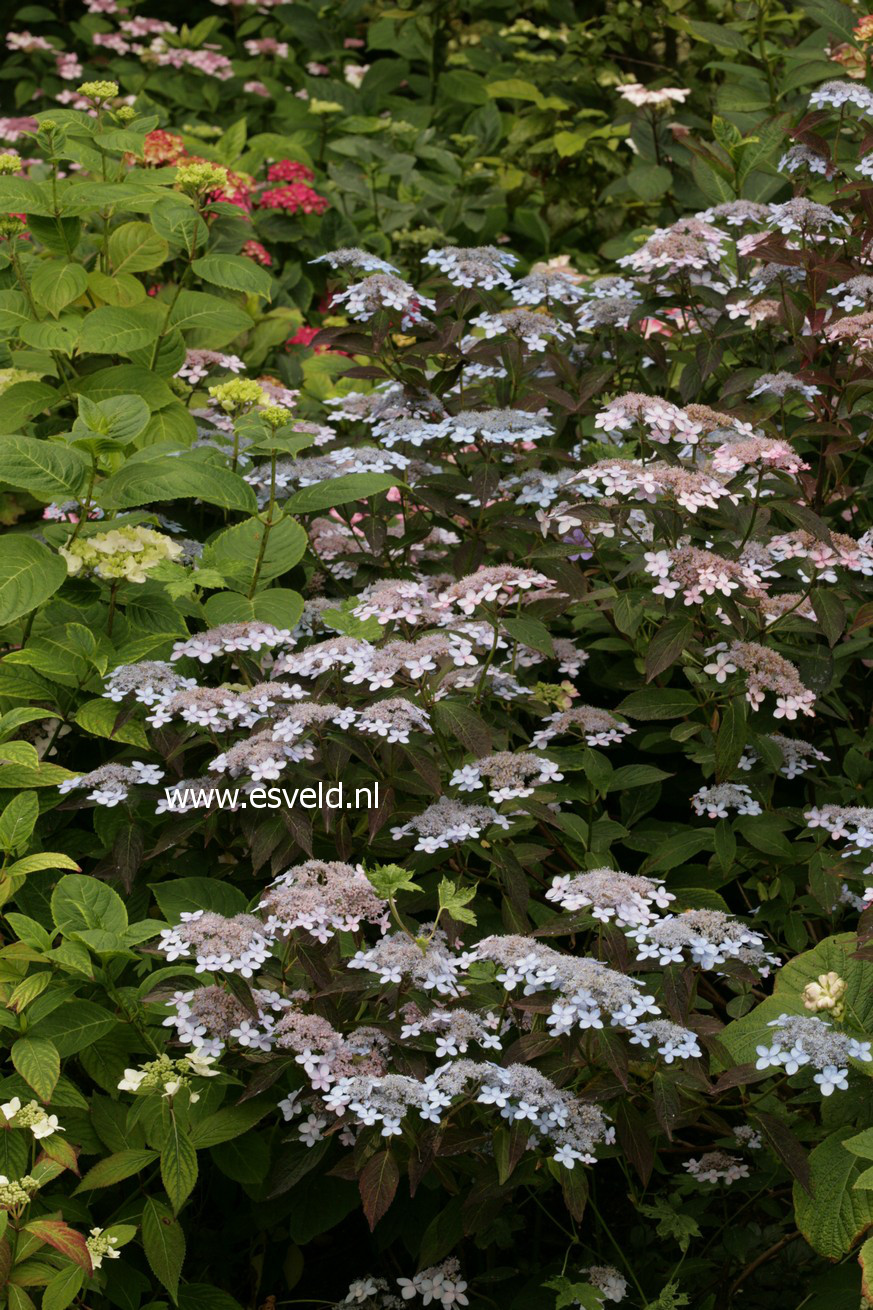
331,796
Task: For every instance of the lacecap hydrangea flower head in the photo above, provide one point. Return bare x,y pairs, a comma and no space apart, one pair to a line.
122,553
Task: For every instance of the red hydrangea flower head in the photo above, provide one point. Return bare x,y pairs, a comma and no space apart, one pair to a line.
254,250
289,170
297,196
163,148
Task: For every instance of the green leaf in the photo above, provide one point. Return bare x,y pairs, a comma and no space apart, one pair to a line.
667,645
236,273
38,1062
457,720
836,1214
516,88
127,379
236,551
459,86
121,418
18,821
830,613
99,716
764,833
63,1288
22,195
164,1245
453,899
530,632
731,740
649,181
184,478
81,904
226,1124
714,187
49,472
339,491
181,895
62,335
29,574
722,37
14,311
115,1168
635,775
279,606
63,1238
389,879
22,401
678,849
658,703
44,860
583,1295
113,331
136,248
865,1260
862,1144
75,1025
178,1165
120,289
837,19
208,322
56,284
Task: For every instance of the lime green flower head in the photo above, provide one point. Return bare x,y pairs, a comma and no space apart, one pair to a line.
11,226
276,416
9,164
121,554
9,376
238,395
98,91
200,177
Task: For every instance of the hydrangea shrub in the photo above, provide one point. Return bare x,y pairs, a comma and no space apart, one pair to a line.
560,581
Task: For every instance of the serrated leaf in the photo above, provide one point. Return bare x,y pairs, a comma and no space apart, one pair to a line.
38,1062
63,1238
48,471
18,821
56,284
136,248
378,1185
164,1245
113,331
339,491
115,1168
29,574
835,1215
178,1164
234,272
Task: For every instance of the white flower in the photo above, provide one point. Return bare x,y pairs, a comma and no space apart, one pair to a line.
11,1108
46,1126
131,1080
832,1078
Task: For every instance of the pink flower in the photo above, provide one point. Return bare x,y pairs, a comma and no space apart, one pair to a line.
68,66
254,250
268,45
292,198
302,337
289,170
